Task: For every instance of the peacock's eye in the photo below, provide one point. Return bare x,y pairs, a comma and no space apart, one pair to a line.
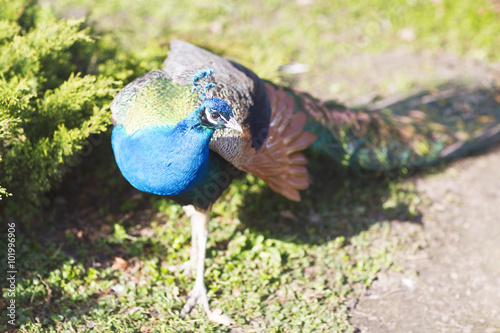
214,116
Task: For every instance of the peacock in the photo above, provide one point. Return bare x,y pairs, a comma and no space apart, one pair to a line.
187,130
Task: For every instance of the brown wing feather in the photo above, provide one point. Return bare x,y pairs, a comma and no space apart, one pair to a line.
280,162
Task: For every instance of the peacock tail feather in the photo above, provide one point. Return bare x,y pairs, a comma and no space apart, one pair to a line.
398,137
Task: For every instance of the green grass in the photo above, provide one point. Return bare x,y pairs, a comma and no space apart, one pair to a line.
270,273
265,35
272,265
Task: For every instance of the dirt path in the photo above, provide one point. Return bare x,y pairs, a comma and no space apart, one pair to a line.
453,284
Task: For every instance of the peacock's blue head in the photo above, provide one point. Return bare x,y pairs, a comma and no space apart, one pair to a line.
217,114
214,112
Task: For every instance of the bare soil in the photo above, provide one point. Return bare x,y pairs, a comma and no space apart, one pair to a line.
453,283
450,282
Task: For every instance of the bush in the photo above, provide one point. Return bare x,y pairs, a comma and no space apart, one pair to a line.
48,110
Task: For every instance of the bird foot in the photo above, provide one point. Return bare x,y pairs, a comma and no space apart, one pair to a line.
186,268
199,296
196,296
217,317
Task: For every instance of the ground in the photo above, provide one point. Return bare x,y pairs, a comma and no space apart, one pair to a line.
451,285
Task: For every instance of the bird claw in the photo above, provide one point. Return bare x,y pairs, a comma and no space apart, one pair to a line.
186,268
196,296
199,296
217,317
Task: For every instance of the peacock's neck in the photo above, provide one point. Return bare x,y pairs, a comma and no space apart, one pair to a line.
164,160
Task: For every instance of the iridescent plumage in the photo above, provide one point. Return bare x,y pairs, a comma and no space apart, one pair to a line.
178,135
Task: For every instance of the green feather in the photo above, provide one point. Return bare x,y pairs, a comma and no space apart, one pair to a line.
160,102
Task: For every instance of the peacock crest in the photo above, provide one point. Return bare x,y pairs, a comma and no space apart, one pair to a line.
203,75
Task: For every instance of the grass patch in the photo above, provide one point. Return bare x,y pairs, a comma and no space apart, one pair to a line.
272,265
264,35
304,263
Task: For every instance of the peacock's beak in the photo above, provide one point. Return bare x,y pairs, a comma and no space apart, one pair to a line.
233,124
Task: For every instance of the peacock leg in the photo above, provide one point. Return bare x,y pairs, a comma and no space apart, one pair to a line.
189,267
199,227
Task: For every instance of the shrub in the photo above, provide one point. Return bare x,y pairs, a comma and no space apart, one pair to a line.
48,110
